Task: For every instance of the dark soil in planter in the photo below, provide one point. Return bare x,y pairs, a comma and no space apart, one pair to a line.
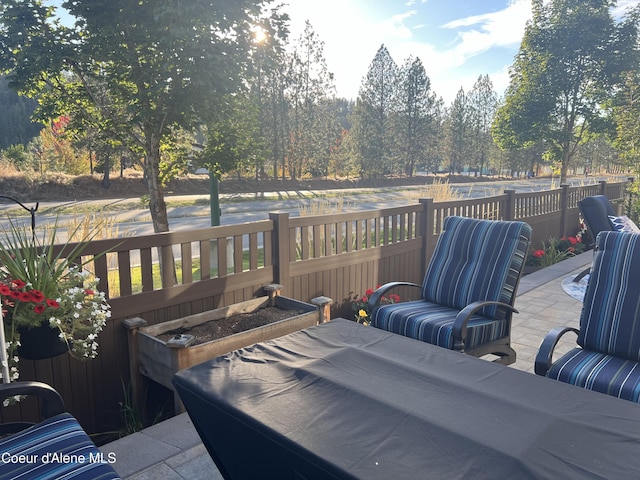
215,329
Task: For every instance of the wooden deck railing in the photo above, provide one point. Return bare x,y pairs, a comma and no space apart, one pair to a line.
166,276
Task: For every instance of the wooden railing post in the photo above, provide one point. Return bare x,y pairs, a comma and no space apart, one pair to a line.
273,290
510,207
281,247
135,377
564,206
324,307
426,231
603,187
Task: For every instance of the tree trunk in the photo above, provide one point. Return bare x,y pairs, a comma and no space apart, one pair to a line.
564,167
157,204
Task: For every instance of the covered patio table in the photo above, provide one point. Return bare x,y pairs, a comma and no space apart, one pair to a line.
341,400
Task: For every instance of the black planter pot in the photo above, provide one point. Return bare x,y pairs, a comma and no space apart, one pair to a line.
39,343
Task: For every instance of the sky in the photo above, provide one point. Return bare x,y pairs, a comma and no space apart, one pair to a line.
456,40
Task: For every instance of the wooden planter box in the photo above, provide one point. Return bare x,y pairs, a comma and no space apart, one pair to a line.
160,361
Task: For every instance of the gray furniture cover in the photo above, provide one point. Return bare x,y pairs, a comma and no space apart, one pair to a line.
342,400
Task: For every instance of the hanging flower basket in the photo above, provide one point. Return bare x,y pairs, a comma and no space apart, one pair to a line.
41,342
50,303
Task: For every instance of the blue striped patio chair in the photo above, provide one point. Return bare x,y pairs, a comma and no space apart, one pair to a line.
55,448
468,291
607,356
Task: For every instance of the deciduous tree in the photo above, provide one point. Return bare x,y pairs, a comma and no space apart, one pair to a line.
571,57
163,64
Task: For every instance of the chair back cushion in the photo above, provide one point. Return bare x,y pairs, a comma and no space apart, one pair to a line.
596,211
610,318
476,260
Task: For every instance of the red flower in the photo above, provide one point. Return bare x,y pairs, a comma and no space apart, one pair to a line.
37,296
18,283
4,290
369,292
88,292
25,297
572,240
538,253
39,308
52,303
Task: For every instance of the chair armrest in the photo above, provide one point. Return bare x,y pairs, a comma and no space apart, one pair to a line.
459,330
375,297
52,403
544,358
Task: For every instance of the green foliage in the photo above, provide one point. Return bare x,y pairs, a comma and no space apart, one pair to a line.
417,104
377,101
554,251
130,69
571,57
16,126
20,158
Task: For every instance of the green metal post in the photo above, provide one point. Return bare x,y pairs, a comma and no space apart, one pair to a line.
214,199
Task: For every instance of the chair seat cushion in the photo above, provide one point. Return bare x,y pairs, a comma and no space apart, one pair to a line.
55,448
597,371
433,323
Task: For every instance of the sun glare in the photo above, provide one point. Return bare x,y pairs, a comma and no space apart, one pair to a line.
259,34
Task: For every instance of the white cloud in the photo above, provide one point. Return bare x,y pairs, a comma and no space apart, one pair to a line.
503,28
622,6
395,26
352,38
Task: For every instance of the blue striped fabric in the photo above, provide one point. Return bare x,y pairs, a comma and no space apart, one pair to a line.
608,358
610,319
57,448
476,260
433,324
473,260
600,372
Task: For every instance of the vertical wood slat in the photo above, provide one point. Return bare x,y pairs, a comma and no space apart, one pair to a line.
238,257
187,263
253,251
305,243
359,227
317,242
267,246
205,258
146,269
293,243
168,267
348,236
101,271
328,239
394,229
124,271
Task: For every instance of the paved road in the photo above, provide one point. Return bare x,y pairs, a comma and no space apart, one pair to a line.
240,208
